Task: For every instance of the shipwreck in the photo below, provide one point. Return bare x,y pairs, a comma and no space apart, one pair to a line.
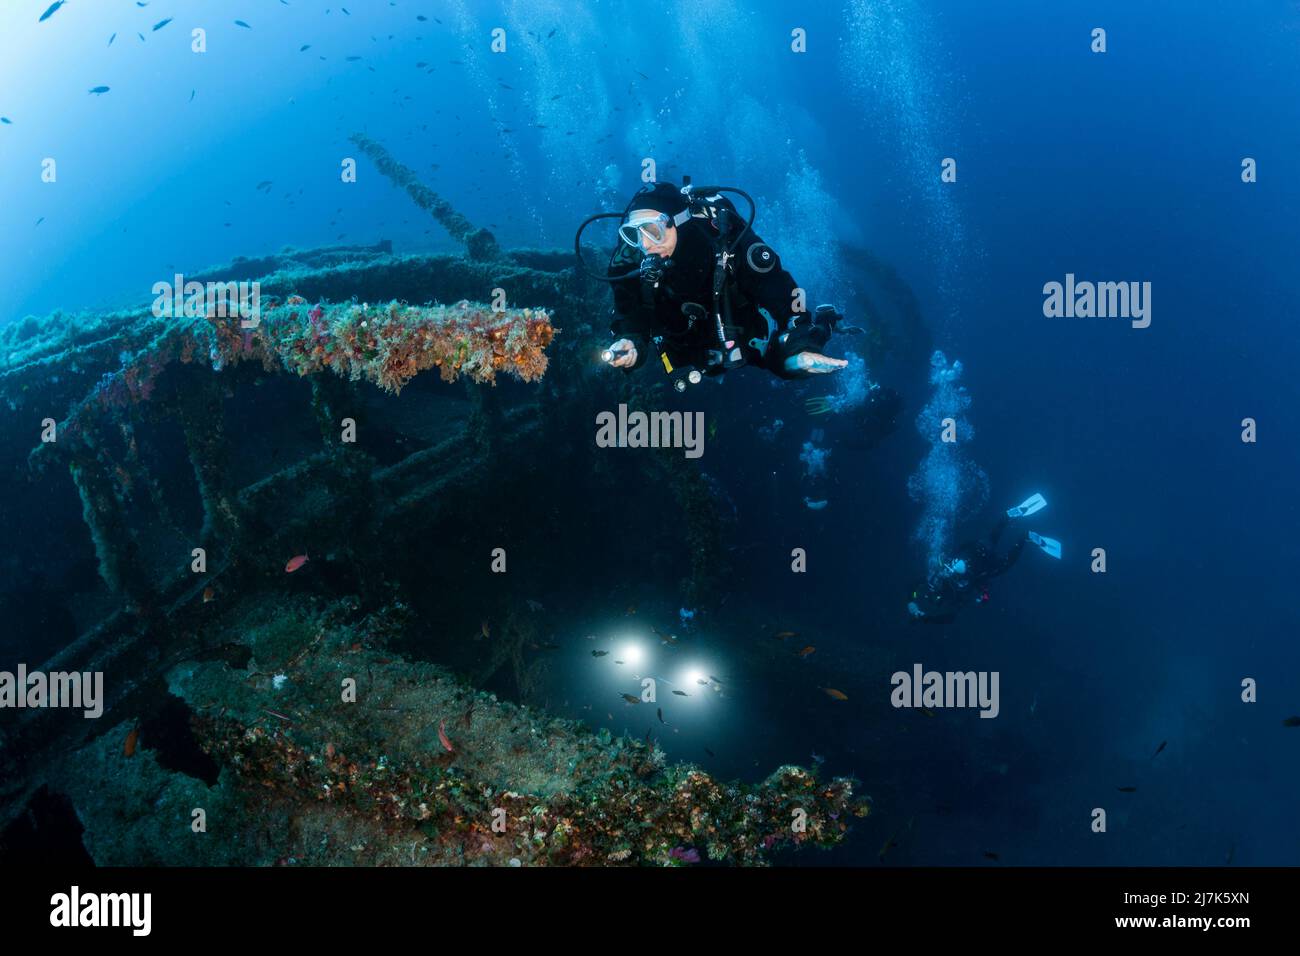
180,458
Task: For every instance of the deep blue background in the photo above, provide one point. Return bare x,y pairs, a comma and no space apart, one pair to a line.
1122,166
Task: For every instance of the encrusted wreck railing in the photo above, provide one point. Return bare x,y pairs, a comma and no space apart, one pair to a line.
479,243
386,345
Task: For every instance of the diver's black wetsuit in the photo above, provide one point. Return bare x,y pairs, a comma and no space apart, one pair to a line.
943,598
757,280
983,562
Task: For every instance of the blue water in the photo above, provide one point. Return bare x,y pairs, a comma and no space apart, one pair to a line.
1114,167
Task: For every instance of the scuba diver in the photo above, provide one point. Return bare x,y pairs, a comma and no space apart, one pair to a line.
695,284
965,578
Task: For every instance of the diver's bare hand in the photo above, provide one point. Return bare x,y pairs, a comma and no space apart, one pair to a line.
622,354
814,363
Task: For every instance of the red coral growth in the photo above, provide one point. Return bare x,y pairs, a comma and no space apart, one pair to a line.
390,344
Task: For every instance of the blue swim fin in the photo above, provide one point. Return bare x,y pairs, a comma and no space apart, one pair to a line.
1050,545
1031,505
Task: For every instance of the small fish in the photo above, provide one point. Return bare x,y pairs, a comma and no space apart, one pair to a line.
620,662
534,605
927,711
352,59
54,7
806,651
111,39
631,609
709,752
681,693
209,594
552,33
631,698
817,758
702,682
836,694
444,739
1158,749
39,221
484,628
162,23
783,635
6,120
264,184
889,845
99,90
304,48
241,23
599,653
128,747
990,855
1127,789
295,563
192,94
660,712
815,505
1291,722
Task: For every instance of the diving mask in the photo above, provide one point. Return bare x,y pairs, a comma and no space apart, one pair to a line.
646,231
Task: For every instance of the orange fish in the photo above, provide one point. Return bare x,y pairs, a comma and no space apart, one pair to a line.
295,563
806,651
446,741
128,748
836,694
209,595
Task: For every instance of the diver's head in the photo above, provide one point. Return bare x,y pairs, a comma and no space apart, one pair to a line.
652,225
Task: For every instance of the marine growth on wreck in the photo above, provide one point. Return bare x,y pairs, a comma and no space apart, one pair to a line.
264,713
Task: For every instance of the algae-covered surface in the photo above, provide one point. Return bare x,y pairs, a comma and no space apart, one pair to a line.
332,750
